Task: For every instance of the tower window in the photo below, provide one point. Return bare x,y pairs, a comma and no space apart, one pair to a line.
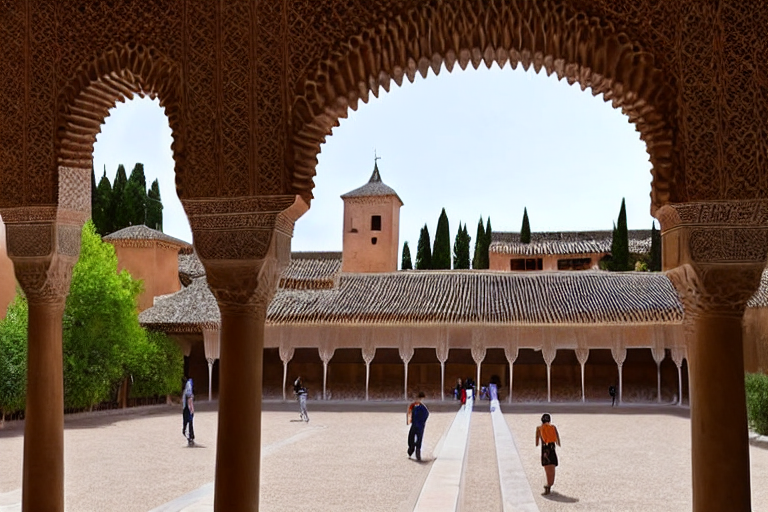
376,223
374,240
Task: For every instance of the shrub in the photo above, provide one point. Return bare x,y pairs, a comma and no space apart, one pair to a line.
756,385
13,357
156,366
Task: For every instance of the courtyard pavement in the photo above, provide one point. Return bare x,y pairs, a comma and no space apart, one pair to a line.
351,456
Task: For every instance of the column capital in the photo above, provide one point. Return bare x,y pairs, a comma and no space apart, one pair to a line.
715,253
244,245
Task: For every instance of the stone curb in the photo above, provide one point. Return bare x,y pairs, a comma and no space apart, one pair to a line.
756,439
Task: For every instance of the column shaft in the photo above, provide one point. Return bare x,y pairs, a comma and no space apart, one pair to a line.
43,474
719,442
583,394
238,449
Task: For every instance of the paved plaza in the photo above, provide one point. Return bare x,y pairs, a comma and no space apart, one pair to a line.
352,456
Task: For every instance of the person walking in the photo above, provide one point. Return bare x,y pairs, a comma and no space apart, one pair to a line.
301,395
548,435
417,418
612,393
188,412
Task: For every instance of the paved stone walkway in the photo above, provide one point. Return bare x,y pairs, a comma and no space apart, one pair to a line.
351,456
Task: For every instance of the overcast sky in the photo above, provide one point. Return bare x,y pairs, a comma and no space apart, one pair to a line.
477,142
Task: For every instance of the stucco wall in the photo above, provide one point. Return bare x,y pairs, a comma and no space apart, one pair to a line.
359,253
156,265
500,261
7,277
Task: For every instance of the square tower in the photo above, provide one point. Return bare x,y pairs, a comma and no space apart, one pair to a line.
371,227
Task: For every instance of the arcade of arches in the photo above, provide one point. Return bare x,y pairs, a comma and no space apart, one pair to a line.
251,89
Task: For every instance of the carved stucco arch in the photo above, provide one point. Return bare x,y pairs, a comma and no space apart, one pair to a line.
544,35
113,76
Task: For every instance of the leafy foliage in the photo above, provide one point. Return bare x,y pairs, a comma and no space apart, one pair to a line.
127,203
525,230
461,248
620,242
441,250
423,250
756,385
477,258
406,263
13,356
155,364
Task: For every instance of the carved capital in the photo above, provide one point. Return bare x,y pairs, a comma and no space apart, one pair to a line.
286,354
45,280
244,244
721,290
406,353
511,354
369,352
582,355
326,354
478,353
619,355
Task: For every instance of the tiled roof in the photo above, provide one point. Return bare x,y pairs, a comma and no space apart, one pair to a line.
760,298
374,187
446,297
315,274
142,232
567,242
484,297
190,267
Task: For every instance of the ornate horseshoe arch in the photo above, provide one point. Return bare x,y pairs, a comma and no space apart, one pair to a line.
115,75
543,35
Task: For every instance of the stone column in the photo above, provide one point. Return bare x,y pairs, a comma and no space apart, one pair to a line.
406,353
244,243
286,354
549,354
658,355
369,352
442,355
619,356
44,243
212,342
478,355
717,252
582,354
326,354
511,354
678,355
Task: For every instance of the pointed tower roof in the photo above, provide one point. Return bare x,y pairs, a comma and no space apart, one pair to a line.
374,187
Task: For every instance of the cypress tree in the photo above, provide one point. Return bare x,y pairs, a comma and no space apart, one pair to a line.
93,188
477,259
620,242
461,248
423,251
487,237
406,263
525,231
135,197
441,250
655,249
116,210
100,209
155,207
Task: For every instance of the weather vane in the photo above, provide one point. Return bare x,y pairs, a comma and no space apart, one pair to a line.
375,156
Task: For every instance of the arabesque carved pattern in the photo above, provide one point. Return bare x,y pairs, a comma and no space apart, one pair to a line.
728,244
411,37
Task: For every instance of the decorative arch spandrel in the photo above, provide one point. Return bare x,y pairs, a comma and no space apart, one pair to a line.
389,42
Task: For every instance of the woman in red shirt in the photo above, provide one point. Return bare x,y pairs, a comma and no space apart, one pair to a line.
548,435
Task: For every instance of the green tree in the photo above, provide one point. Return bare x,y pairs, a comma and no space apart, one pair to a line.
461,248
100,207
423,251
135,197
477,258
155,364
117,211
620,242
487,238
525,231
441,250
13,357
100,323
406,263
154,207
655,265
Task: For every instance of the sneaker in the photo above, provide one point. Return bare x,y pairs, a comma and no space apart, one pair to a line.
547,489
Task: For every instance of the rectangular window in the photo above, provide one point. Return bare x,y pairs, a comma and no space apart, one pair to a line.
376,223
574,264
526,264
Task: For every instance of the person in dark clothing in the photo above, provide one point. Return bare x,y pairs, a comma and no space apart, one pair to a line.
417,418
612,392
188,412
